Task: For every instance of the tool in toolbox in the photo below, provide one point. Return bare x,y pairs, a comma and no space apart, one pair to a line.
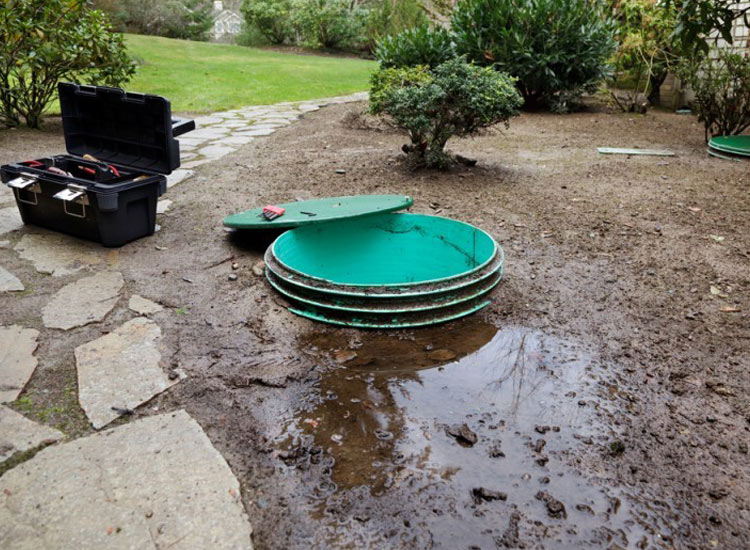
271,212
120,146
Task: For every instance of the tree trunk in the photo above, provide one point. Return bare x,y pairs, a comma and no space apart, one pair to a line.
655,82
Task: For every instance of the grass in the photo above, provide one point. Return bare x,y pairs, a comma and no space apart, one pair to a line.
203,77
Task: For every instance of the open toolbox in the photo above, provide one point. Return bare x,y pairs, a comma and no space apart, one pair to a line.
120,147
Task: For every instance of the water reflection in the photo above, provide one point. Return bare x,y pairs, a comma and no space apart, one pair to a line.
388,405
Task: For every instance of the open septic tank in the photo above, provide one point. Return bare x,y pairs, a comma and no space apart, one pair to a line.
379,268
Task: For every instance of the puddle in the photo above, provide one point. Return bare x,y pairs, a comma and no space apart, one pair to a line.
467,433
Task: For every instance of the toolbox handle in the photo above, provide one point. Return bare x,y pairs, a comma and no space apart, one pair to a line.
181,126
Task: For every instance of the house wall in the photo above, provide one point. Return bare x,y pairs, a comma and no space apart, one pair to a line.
740,34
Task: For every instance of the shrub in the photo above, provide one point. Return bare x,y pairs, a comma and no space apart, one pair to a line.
331,24
454,98
558,49
645,48
722,91
419,46
189,19
390,17
272,18
186,19
250,36
45,41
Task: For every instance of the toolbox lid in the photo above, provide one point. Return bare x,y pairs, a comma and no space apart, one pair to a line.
320,211
121,127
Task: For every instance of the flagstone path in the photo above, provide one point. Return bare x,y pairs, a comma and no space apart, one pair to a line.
153,483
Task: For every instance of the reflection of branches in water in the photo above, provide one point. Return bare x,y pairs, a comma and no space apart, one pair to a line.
516,371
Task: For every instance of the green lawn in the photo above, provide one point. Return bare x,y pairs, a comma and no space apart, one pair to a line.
203,77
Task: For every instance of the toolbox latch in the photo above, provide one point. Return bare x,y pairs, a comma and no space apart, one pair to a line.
25,182
74,194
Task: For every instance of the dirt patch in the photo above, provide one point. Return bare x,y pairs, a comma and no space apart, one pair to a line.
629,277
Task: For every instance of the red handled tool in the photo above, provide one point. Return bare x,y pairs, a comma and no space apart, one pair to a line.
271,212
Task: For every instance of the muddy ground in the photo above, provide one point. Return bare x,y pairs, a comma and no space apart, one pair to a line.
605,392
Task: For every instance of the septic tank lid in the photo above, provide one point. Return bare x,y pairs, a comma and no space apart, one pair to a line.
320,211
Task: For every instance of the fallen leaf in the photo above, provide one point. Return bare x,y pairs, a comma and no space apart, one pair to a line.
716,291
442,355
312,422
694,209
344,355
730,309
721,389
717,238
259,268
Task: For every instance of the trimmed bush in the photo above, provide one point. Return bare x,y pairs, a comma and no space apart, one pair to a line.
45,41
722,92
418,46
455,98
272,18
558,49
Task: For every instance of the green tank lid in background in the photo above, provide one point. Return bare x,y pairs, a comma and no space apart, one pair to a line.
738,145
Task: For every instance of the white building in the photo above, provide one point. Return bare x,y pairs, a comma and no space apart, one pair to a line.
227,23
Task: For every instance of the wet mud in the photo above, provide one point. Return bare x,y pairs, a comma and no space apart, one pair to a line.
473,429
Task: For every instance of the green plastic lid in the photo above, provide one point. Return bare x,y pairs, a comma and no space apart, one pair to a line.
739,145
320,211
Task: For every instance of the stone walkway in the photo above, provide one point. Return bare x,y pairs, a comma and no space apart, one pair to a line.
150,483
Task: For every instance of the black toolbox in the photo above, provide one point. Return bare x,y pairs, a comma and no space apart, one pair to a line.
120,147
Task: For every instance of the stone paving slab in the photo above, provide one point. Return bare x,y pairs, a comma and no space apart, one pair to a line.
153,483
60,255
17,361
10,220
85,301
213,152
209,132
205,121
177,176
196,163
9,282
120,371
19,434
163,205
143,306
256,131
237,140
